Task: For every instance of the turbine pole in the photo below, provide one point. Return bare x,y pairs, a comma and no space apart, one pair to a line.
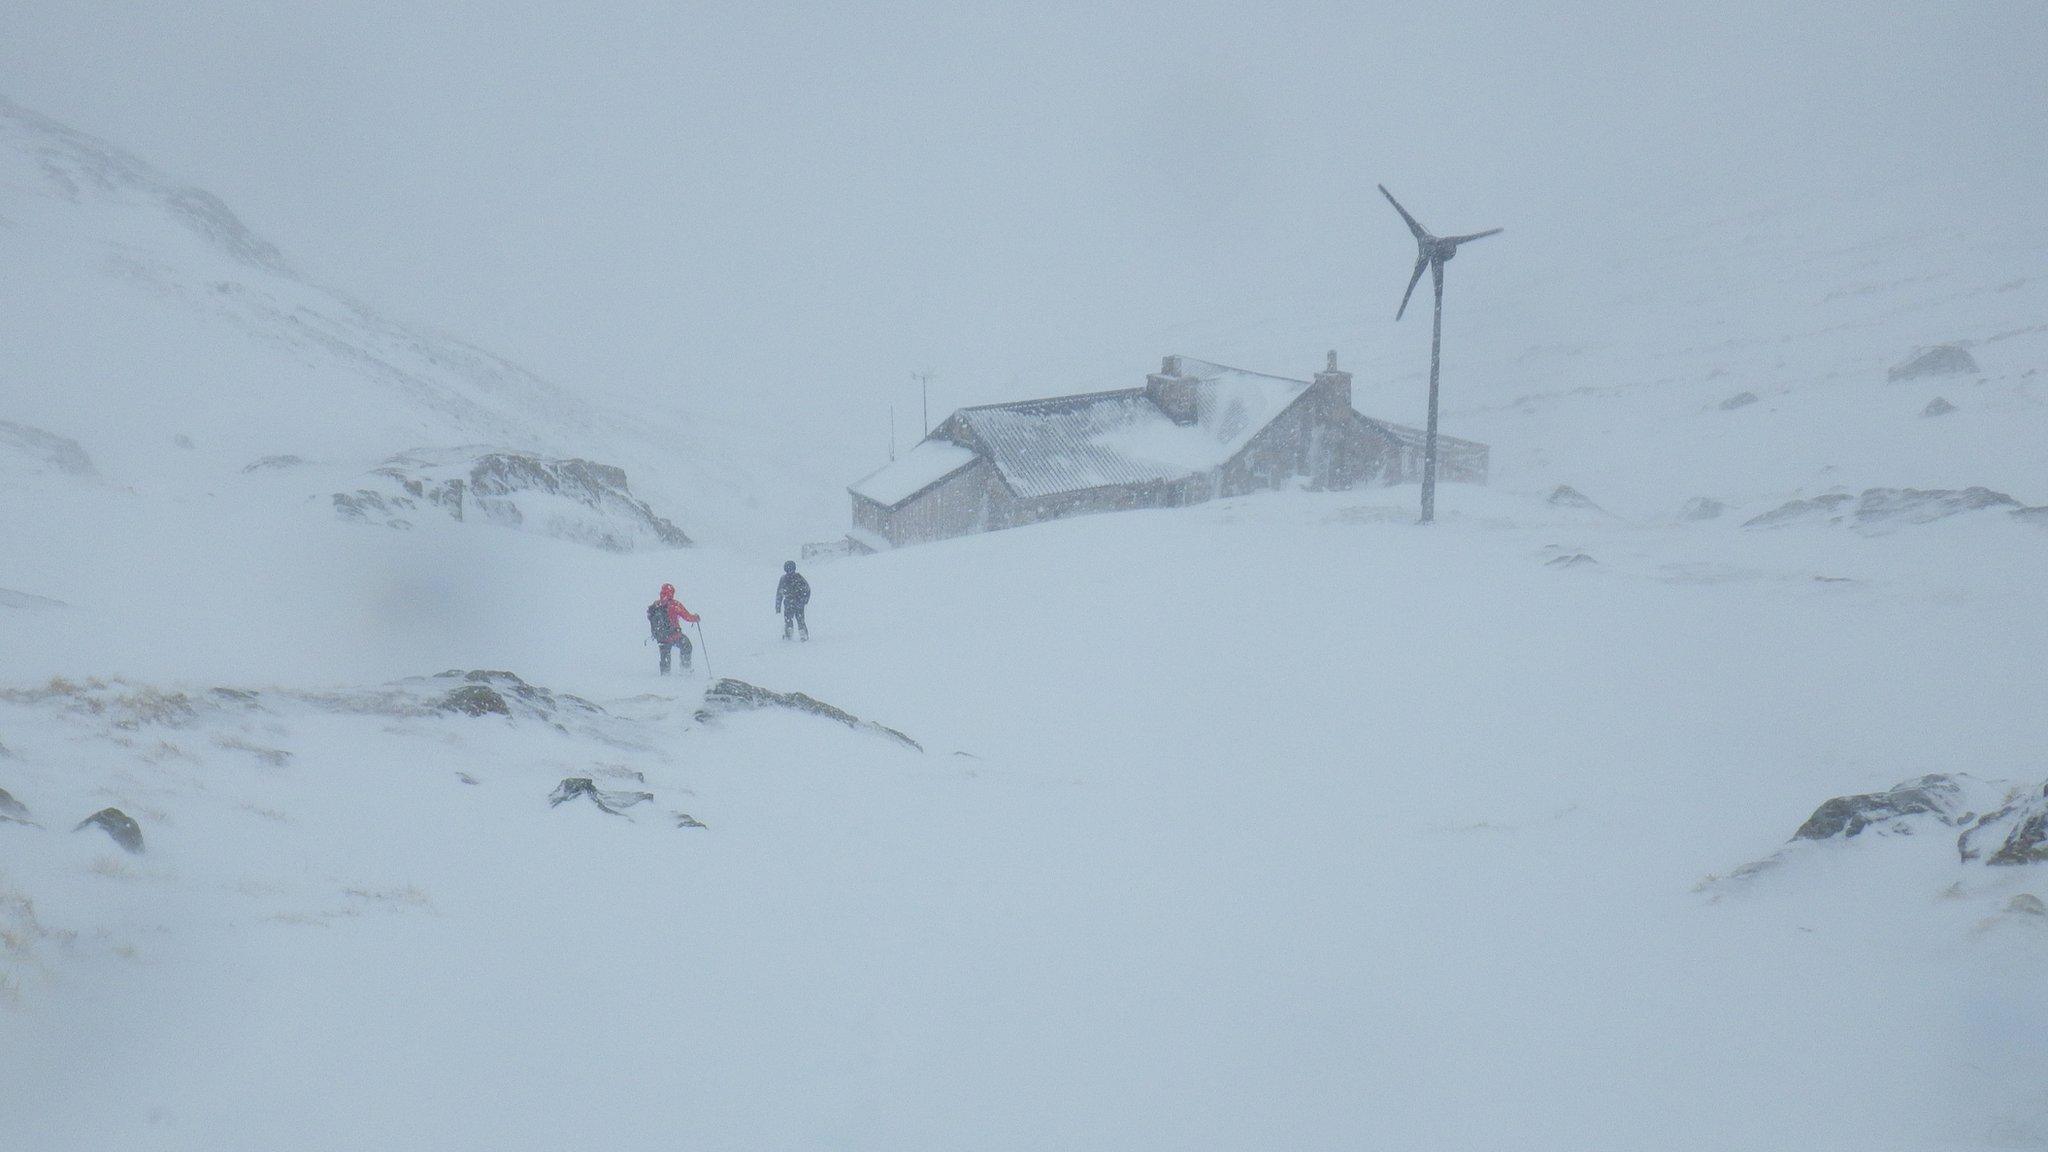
1436,346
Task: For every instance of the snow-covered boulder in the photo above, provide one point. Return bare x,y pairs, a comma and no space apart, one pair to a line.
1939,406
1566,496
1940,360
570,499
607,800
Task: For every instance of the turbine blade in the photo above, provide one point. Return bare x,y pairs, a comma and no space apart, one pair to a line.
1421,234
1473,236
1421,262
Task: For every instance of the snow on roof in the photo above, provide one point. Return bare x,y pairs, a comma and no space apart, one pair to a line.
929,462
1043,447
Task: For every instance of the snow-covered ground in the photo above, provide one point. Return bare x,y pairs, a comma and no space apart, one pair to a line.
1274,822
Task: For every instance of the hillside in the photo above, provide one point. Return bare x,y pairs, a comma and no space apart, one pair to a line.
1272,822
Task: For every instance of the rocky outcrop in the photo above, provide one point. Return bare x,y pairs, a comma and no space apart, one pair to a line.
1947,800
614,802
728,696
1739,400
1882,509
118,825
570,499
1940,360
495,693
1939,406
2016,833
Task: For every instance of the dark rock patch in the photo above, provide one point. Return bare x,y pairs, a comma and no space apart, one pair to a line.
1739,400
729,695
1572,560
614,802
274,463
1702,508
685,820
1940,360
475,700
509,686
46,449
118,824
13,811
1939,406
2026,904
1795,511
1567,496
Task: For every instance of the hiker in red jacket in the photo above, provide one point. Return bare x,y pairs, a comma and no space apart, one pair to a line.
665,620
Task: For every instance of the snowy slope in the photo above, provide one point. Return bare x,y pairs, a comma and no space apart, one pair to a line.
1275,822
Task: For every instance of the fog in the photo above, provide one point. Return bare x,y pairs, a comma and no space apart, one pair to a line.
752,206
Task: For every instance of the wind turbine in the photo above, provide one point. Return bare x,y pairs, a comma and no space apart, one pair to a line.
1430,252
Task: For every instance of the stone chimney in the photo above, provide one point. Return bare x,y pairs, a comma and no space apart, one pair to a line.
1336,384
1173,392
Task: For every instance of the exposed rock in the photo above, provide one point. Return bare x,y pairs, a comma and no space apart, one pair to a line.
273,464
465,777
2019,827
685,820
118,824
570,499
2026,904
1571,560
1701,508
1940,360
1945,798
729,695
484,685
2035,516
1939,406
1739,400
1878,509
44,449
475,700
1567,496
609,801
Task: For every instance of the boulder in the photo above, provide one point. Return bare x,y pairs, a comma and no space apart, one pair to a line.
1940,360
118,824
614,802
1739,400
2026,904
1939,406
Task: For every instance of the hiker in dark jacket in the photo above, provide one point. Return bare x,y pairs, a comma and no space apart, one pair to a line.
791,594
665,619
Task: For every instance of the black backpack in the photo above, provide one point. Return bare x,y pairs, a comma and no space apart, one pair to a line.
663,629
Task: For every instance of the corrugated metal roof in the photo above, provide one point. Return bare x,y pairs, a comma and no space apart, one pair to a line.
929,462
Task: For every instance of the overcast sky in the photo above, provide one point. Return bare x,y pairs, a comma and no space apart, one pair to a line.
759,199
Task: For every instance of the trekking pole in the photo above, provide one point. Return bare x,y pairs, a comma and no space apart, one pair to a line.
704,648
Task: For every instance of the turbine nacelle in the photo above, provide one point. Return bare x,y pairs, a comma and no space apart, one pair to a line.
1431,251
